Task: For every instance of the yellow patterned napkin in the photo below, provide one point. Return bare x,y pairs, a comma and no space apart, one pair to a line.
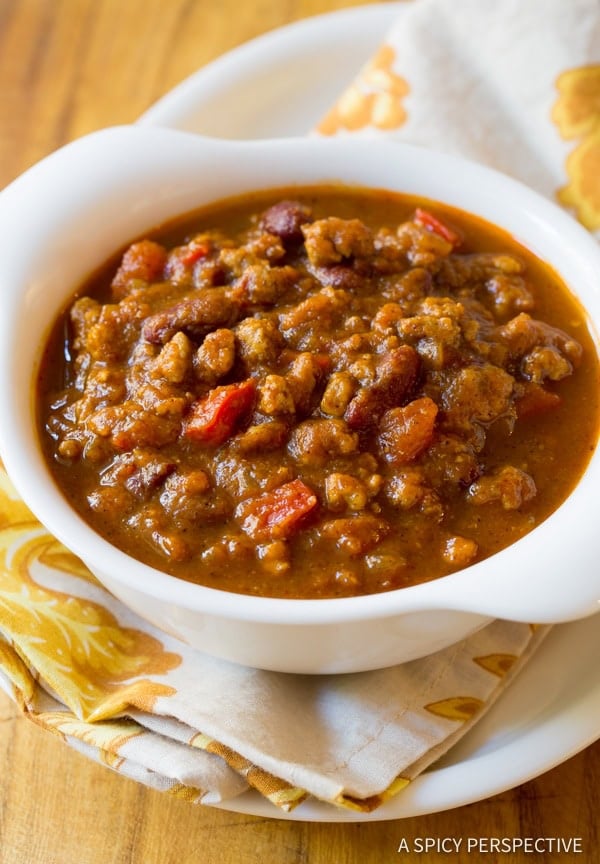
81,664
514,84
509,83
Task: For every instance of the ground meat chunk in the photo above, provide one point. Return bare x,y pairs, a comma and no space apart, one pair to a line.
388,318
274,396
338,393
258,340
175,359
152,521
389,253
162,398
261,437
356,535
459,551
407,287
105,499
195,263
326,306
364,368
264,284
452,460
342,349
109,336
441,307
216,356
305,371
195,316
470,272
285,219
104,385
193,482
421,247
510,294
232,548
479,394
262,247
509,485
83,314
128,426
345,492
459,325
275,557
436,320
408,489
142,262
119,470
242,478
523,333
188,497
435,333
312,442
478,331
545,362
330,241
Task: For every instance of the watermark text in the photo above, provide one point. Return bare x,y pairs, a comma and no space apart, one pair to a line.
492,845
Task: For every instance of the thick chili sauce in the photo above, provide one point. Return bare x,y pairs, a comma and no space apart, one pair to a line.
321,393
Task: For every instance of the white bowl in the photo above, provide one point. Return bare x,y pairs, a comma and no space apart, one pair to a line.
65,216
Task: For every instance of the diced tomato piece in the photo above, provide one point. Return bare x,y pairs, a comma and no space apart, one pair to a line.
194,252
214,418
277,514
432,223
144,260
535,399
404,433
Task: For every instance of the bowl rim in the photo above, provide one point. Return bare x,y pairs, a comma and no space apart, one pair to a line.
464,590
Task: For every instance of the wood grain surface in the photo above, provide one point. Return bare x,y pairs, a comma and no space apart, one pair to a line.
68,67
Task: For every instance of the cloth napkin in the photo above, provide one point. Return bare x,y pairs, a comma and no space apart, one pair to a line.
512,84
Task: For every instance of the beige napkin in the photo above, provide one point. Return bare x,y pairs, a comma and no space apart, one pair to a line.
80,663
509,83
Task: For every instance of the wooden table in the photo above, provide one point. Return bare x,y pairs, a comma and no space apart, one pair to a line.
68,67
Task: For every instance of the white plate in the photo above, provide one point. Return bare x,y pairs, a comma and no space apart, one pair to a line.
279,84
282,84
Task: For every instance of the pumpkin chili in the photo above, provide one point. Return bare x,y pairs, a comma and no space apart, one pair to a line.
319,393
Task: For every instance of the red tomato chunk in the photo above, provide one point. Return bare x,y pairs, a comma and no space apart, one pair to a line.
428,220
404,433
277,515
213,419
